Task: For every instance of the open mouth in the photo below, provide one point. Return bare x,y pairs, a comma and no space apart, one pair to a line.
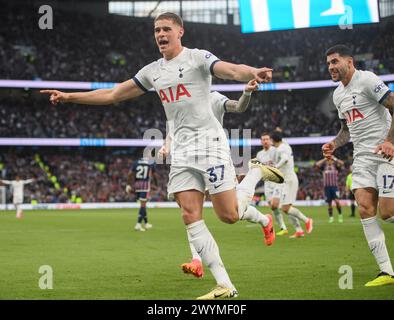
163,42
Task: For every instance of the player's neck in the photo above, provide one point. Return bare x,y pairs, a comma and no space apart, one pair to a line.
173,54
348,77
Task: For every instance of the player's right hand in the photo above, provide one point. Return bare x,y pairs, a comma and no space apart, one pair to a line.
263,75
56,96
328,150
128,189
163,152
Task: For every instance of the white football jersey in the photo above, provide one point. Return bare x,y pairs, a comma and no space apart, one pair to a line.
360,104
218,102
183,85
17,189
267,156
285,152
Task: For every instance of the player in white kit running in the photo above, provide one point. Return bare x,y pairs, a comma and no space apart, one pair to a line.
284,161
17,193
200,156
272,190
363,102
220,105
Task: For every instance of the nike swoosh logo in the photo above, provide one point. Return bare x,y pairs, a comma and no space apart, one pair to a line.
154,80
218,186
384,191
218,295
281,180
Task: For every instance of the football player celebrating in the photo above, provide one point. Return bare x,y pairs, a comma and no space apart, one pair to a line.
363,102
201,157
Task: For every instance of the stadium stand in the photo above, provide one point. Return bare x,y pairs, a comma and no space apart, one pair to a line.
61,55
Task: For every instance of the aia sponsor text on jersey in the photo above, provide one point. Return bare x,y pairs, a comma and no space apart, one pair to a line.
173,94
353,115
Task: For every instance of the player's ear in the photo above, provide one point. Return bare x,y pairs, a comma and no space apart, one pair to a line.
181,33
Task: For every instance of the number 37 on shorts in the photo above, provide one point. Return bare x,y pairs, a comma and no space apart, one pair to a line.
220,178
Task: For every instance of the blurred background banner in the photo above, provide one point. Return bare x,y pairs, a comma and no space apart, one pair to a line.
269,15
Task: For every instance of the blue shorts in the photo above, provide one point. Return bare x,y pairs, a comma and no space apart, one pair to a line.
331,193
142,195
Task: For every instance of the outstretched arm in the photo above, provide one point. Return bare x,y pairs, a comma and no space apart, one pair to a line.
6,181
28,181
242,104
387,147
241,72
340,140
123,91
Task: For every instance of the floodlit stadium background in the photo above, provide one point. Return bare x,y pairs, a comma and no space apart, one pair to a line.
80,155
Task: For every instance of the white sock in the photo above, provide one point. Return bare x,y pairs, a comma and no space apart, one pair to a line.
297,214
195,255
206,247
296,223
253,215
248,184
279,219
376,242
390,220
18,210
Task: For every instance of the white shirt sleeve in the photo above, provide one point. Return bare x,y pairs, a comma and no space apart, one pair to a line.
334,99
374,87
260,156
205,61
6,181
143,78
283,157
218,101
27,181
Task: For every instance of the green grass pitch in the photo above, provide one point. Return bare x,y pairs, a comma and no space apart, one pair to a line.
96,254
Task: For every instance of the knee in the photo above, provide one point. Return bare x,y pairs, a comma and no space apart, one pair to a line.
387,216
230,217
366,211
189,215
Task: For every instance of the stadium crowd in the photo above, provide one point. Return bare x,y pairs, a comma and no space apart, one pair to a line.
68,178
100,176
69,51
31,116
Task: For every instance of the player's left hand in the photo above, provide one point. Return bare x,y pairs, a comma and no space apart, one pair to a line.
263,75
128,189
386,149
251,86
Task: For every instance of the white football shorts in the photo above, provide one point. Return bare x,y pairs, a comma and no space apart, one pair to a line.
272,190
289,191
372,171
214,178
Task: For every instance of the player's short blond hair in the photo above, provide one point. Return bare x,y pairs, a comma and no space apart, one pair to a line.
170,16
